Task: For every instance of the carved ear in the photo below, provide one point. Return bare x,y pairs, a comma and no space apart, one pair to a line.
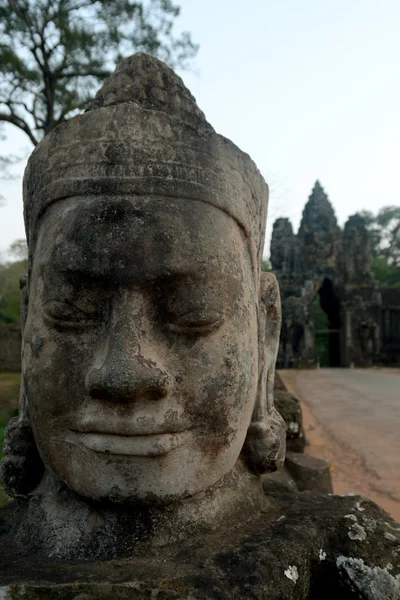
265,444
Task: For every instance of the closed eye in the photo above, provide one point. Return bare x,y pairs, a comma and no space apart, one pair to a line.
64,313
195,326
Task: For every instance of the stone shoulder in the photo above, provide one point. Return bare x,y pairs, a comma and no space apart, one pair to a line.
305,546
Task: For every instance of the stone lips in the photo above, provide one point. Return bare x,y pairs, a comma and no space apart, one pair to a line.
123,148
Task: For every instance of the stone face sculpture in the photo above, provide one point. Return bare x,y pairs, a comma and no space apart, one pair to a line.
149,347
357,250
145,342
318,233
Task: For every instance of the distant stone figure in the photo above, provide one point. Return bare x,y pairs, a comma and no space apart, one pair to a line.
357,259
149,346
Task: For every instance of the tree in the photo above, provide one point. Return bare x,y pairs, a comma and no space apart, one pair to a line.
18,250
388,219
385,235
386,273
266,265
10,274
53,53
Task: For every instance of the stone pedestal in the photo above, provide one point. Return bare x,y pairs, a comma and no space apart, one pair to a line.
306,546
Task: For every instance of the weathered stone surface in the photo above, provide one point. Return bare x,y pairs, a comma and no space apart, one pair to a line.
298,473
322,260
357,251
279,481
306,546
319,234
289,407
309,473
283,247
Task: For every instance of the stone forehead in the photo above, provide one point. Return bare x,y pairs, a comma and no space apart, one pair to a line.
144,134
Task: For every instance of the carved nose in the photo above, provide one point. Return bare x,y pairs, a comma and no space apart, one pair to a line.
123,374
122,382
127,366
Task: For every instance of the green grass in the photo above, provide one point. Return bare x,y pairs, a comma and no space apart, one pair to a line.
9,394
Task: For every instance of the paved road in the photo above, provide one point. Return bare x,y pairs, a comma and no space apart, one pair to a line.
361,409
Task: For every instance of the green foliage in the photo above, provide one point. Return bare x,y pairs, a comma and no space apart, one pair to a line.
9,290
266,265
385,273
10,274
385,234
53,53
18,250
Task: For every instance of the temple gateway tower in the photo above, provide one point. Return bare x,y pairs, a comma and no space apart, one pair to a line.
334,313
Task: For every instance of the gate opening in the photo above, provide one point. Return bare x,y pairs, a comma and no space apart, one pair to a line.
326,313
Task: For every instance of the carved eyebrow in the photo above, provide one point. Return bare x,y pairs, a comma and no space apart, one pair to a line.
197,273
86,280
76,278
197,276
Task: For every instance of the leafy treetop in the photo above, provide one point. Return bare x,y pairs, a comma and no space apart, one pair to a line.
385,234
53,53
10,274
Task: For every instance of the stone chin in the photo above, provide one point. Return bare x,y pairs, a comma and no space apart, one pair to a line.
181,473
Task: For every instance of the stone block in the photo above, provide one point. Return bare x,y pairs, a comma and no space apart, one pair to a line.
289,407
279,481
309,473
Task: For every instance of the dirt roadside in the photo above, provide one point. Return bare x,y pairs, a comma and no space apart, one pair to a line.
349,473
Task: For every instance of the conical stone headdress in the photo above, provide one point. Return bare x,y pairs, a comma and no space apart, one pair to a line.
144,134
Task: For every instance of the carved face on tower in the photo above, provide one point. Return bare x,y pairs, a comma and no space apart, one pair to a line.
144,357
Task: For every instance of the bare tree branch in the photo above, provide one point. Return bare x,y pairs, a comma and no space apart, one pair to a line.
89,73
21,124
53,51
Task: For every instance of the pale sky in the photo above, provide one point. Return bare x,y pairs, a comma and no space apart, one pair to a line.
309,88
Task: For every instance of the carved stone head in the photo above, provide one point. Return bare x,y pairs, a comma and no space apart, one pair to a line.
150,334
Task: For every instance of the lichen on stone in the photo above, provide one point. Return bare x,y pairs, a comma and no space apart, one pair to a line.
372,582
357,532
322,555
292,573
